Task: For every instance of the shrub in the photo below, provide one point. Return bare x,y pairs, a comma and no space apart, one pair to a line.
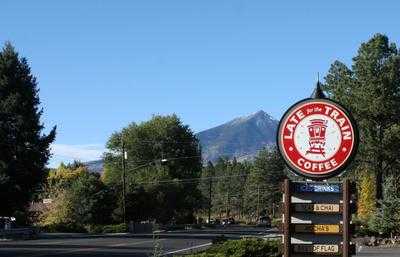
243,248
94,229
362,227
119,228
275,223
219,240
63,228
174,227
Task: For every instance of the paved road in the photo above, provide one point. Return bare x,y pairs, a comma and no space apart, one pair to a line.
122,245
379,252
105,246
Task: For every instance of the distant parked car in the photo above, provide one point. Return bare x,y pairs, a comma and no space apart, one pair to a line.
7,223
264,221
228,221
214,221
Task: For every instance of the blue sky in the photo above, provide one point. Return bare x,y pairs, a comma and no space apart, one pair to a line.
103,64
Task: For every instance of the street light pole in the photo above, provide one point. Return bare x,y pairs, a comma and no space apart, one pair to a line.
209,201
258,203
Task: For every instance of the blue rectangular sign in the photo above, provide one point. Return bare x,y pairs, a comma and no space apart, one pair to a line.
317,188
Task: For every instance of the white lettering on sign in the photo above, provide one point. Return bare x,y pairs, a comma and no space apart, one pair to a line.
290,127
346,132
322,166
295,119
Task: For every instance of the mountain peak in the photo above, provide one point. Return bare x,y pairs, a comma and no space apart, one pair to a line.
242,136
261,114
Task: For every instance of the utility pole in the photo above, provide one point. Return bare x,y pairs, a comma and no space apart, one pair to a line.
124,156
258,203
227,205
273,210
228,200
209,200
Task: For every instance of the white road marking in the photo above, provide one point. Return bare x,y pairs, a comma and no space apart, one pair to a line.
187,249
135,243
50,243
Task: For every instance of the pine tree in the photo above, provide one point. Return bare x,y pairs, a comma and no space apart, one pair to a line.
262,185
221,188
206,186
371,90
24,150
387,220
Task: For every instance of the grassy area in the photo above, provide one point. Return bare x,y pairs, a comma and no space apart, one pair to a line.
242,248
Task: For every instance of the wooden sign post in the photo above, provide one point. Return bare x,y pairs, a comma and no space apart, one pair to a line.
287,199
317,138
346,219
314,222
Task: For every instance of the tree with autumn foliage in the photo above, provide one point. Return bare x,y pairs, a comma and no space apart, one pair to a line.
366,195
79,198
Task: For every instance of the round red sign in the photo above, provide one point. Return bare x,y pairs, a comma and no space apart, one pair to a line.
317,138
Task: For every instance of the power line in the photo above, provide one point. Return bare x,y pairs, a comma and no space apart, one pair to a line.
164,141
143,162
193,180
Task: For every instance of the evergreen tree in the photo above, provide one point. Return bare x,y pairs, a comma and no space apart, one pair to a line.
262,186
221,188
239,174
206,186
24,149
387,220
371,90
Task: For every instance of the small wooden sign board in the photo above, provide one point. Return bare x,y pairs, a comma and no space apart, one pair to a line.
317,228
317,208
317,188
321,249
316,248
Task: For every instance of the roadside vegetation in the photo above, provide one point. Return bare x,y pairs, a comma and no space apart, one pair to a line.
243,248
86,202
